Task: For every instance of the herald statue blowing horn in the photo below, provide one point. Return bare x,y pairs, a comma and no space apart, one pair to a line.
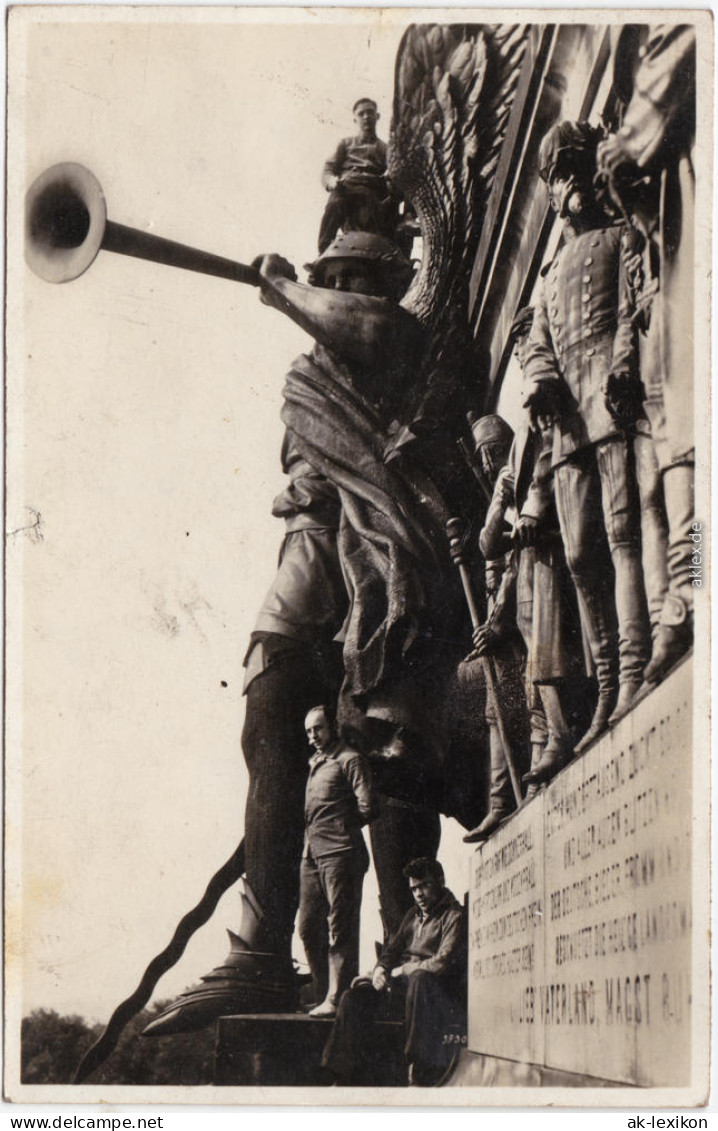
66,226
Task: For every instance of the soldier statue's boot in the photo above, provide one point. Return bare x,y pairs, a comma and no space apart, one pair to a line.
634,627
558,750
255,977
489,825
598,628
340,977
537,749
629,692
674,639
675,630
556,755
503,802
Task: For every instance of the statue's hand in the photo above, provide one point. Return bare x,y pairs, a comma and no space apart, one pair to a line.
526,531
616,172
543,403
610,156
272,267
624,398
485,641
505,485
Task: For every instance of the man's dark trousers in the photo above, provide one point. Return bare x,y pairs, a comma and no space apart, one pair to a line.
359,1052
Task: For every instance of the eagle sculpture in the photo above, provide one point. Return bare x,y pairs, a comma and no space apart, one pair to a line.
453,92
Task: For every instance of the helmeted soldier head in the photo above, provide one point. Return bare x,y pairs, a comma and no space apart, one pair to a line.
567,163
492,444
363,263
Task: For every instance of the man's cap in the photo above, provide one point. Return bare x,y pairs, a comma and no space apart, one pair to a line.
369,248
361,102
579,138
491,430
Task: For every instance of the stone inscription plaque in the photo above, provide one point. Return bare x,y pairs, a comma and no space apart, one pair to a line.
507,939
605,987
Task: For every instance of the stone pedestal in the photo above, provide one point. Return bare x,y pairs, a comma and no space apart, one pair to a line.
580,910
271,1049
274,1049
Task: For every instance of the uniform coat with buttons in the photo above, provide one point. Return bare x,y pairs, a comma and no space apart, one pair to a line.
582,331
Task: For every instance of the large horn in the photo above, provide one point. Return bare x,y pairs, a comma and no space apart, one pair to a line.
66,225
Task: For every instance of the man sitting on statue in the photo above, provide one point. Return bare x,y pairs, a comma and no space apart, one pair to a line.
355,178
335,860
581,369
420,978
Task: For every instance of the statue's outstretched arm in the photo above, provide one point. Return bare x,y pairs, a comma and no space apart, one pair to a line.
360,329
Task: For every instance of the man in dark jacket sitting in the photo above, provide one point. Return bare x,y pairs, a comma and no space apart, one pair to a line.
421,977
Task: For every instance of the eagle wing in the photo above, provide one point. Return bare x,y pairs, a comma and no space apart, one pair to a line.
453,91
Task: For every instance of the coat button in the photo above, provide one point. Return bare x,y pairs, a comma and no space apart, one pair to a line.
587,278
590,352
585,298
588,261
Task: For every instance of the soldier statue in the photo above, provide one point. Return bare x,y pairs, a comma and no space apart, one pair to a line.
498,638
649,165
359,563
581,370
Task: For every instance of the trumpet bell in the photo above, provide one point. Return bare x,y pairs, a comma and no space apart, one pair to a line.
65,221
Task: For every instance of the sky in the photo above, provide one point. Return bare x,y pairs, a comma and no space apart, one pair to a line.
143,457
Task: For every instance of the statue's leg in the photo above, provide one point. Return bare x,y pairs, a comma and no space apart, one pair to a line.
257,976
502,802
675,634
276,752
667,369
622,516
402,832
578,503
654,528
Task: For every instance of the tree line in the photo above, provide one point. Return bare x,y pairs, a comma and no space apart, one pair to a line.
52,1047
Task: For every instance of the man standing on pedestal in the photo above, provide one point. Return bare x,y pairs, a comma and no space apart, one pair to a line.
335,861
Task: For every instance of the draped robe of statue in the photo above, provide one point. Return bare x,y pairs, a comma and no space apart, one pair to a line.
376,528
340,402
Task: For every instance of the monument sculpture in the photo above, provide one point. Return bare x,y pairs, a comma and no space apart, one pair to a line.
583,595
498,636
582,373
649,164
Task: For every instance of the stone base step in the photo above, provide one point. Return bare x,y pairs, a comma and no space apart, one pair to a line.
275,1049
